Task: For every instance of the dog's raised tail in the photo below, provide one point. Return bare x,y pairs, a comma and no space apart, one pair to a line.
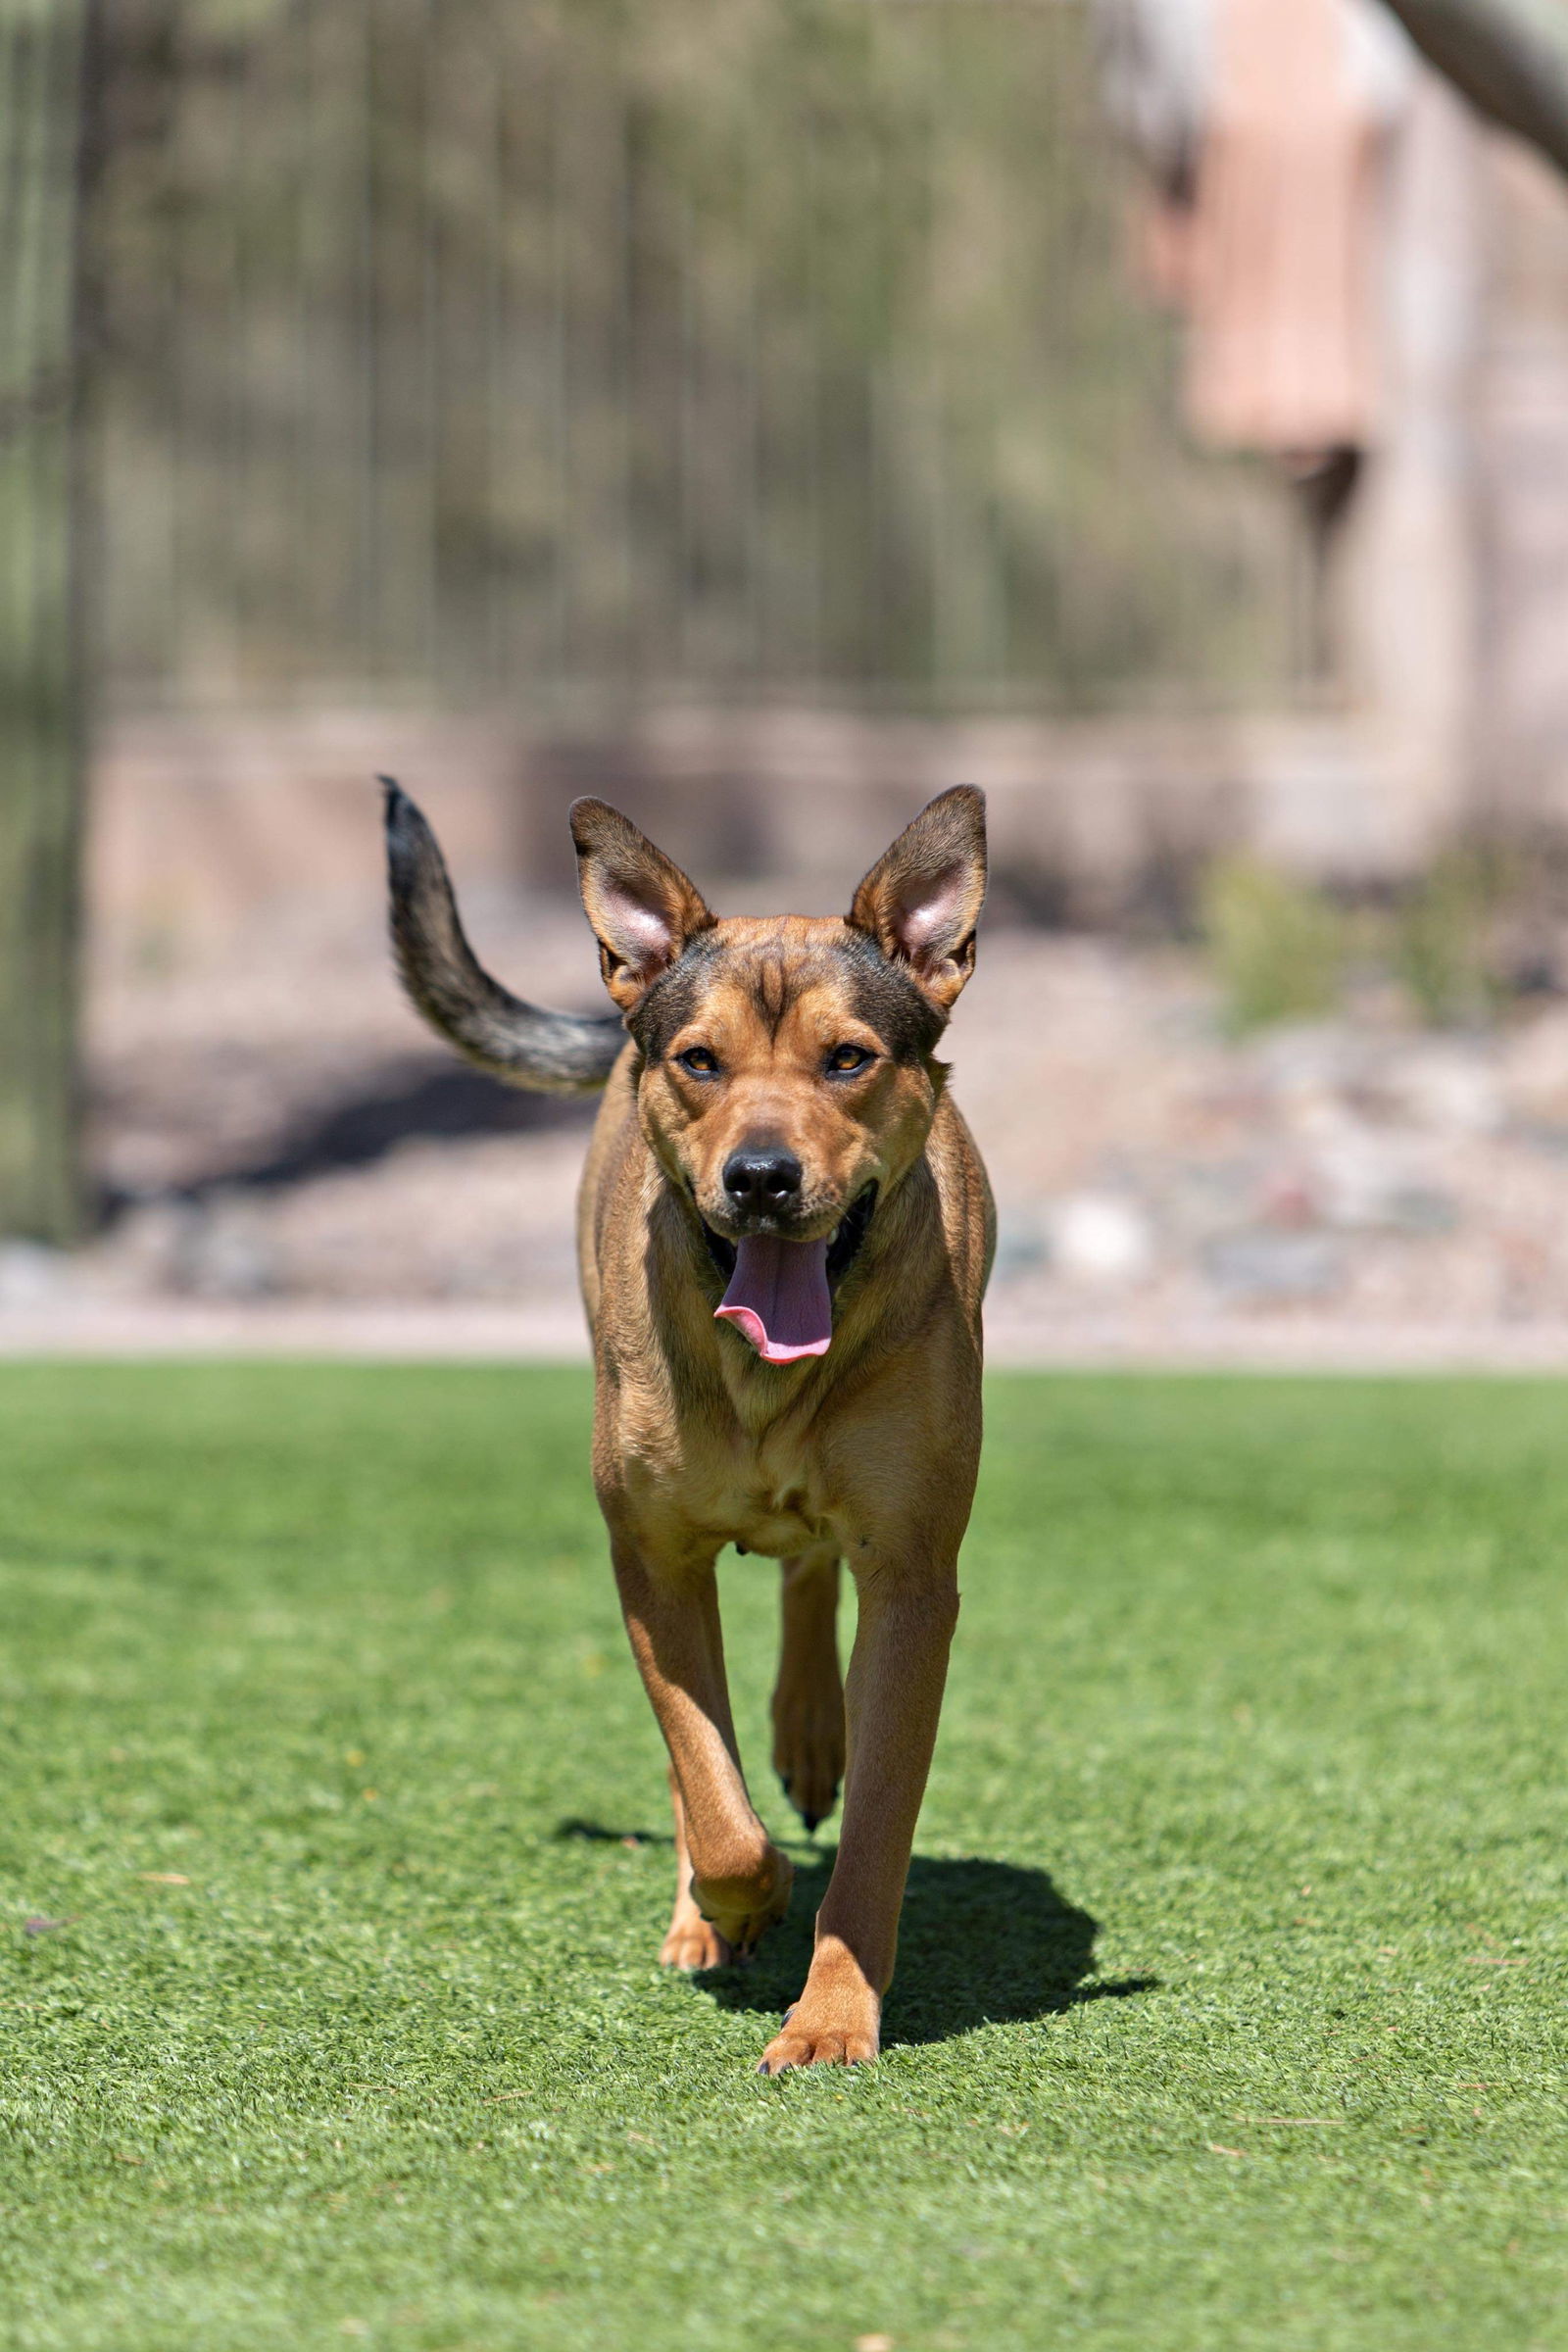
552,1052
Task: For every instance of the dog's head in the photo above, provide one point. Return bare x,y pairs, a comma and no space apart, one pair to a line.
786,1077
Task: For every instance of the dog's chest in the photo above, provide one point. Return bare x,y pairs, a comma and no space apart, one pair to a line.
778,1525
775,1503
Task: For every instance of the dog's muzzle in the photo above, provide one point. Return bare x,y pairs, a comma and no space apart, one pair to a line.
844,1246
779,1295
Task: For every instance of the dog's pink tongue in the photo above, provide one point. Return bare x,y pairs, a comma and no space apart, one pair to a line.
778,1297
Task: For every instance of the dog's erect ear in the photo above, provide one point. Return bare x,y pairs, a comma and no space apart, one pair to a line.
642,909
922,900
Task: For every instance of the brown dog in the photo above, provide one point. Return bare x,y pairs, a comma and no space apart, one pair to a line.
784,1233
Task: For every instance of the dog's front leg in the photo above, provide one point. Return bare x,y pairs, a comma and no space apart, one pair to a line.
690,1941
740,1881
909,1608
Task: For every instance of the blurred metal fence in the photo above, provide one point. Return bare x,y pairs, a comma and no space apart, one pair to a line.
549,347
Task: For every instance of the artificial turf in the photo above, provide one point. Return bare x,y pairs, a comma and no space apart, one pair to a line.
1230,2009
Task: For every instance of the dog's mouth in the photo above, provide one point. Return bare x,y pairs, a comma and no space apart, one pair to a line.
779,1294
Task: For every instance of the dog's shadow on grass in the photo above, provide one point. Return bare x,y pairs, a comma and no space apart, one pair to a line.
981,1943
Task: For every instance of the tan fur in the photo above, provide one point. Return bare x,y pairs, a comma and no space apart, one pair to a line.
867,1454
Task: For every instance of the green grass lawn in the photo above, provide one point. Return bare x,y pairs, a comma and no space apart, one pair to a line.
334,1852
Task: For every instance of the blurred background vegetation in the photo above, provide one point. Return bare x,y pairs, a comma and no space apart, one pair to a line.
548,365
575,346
551,355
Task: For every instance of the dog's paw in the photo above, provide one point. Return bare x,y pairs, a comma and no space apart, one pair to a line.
742,1910
692,1941
809,1749
825,2032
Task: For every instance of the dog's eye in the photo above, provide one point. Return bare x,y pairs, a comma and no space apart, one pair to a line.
844,1059
701,1063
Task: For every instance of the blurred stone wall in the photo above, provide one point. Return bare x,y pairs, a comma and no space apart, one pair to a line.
206,825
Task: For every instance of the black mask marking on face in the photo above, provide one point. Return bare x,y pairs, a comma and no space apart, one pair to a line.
845,1247
909,1024
673,998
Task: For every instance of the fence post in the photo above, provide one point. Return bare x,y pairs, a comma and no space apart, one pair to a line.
46,65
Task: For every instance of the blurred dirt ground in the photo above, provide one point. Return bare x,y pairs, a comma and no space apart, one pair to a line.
288,1161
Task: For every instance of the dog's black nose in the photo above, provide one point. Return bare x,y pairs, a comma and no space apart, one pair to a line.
760,1179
